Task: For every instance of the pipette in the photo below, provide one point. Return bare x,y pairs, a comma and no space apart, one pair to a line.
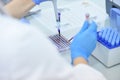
57,15
55,8
58,23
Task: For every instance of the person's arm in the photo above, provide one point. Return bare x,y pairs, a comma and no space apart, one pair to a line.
18,8
79,60
84,43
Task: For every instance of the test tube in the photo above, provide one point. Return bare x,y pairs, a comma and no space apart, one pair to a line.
104,33
111,36
107,34
87,15
114,38
117,39
100,34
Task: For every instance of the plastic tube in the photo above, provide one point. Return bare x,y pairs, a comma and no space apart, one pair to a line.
108,34
111,36
114,38
117,39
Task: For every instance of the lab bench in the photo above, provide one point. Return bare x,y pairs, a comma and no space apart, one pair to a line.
111,73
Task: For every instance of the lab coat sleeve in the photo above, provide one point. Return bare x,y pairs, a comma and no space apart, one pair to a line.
27,54
85,72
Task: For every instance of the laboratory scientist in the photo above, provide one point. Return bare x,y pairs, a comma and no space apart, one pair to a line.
27,54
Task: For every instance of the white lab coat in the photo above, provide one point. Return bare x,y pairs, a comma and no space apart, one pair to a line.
27,54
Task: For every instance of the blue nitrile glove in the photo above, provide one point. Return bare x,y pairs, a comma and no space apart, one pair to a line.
23,20
37,2
84,42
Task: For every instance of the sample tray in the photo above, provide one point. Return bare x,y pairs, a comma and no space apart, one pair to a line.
61,42
106,44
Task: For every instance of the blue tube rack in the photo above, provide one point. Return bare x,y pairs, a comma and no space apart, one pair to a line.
106,43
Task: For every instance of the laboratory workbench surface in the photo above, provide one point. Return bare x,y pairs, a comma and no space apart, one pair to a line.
112,73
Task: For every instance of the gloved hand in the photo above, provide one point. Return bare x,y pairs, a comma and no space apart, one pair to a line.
84,42
37,2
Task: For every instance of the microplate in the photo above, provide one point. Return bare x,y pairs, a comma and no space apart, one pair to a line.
60,41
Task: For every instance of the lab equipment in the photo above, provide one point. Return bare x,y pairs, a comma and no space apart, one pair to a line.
107,34
104,34
112,4
54,5
109,51
55,8
113,9
32,13
108,47
115,18
59,23
61,42
109,37
58,27
82,45
87,15
109,57
59,16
